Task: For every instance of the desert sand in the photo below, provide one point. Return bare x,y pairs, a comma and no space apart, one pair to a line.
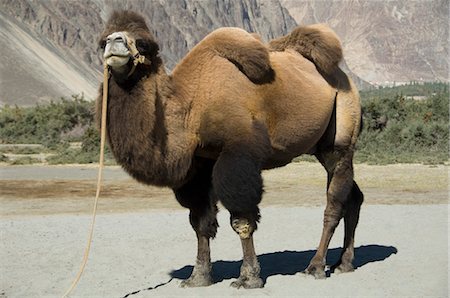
144,246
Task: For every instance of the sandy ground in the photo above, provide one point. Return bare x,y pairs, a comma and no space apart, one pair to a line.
144,246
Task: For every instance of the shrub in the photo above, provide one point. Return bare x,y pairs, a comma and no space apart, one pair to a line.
396,127
415,130
44,124
3,158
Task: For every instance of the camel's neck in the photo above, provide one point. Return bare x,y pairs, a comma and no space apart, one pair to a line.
147,133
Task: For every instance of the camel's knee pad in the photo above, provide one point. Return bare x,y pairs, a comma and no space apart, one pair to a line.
243,227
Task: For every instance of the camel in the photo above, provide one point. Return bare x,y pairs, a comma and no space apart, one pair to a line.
231,108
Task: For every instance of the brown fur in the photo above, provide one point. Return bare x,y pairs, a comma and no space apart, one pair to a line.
316,42
129,22
229,109
244,50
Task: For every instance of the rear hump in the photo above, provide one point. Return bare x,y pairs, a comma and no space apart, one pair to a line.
318,43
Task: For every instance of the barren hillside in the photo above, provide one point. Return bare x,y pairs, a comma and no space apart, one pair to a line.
50,48
394,41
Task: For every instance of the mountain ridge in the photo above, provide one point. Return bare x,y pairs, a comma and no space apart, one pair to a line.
50,47
386,41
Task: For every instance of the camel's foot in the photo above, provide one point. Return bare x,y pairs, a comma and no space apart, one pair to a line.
249,277
198,280
343,267
200,277
248,282
316,270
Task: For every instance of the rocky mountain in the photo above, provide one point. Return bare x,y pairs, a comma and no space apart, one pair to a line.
48,50
49,47
385,41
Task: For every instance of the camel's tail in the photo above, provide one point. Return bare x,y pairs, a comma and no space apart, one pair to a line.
318,43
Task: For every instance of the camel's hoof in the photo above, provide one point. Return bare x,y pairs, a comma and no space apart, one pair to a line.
248,283
196,281
316,270
343,268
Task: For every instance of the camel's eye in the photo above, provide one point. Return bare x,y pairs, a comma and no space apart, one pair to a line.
142,45
102,44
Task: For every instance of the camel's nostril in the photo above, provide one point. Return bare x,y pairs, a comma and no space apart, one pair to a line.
116,37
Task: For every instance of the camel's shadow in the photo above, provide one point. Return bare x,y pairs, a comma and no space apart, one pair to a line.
282,263
290,262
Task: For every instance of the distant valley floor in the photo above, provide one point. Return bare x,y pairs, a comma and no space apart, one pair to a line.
44,190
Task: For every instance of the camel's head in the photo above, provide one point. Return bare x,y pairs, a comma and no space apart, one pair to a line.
125,40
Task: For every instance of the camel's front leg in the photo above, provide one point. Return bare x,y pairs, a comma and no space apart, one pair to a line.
201,275
238,184
196,195
205,226
249,277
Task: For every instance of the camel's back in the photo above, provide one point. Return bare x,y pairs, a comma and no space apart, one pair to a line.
295,107
237,47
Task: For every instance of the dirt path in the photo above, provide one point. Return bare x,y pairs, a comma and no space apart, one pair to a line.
34,190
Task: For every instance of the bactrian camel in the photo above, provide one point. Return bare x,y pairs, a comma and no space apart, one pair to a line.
231,108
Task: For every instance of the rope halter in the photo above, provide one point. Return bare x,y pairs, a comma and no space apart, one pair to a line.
135,55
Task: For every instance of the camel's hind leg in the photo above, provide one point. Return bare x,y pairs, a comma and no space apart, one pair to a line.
343,200
351,217
197,195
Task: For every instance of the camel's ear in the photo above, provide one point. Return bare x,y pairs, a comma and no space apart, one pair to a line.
145,46
148,48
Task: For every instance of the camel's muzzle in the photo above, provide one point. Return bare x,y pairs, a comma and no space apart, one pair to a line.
117,53
120,48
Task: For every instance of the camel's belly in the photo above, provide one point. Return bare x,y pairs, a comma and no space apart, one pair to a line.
298,107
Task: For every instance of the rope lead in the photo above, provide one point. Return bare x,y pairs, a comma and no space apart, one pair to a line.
99,177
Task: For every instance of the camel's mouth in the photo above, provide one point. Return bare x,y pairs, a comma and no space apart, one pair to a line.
109,55
116,53
117,61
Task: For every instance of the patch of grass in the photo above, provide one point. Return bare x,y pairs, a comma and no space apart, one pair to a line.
22,150
26,160
3,158
77,156
72,156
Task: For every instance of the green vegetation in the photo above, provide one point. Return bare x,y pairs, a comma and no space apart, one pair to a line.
47,124
413,89
55,125
22,150
26,160
405,124
401,130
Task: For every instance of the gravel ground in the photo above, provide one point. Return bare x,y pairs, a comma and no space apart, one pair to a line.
144,246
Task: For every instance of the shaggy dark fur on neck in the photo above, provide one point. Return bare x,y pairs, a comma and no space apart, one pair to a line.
129,82
141,128
137,132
